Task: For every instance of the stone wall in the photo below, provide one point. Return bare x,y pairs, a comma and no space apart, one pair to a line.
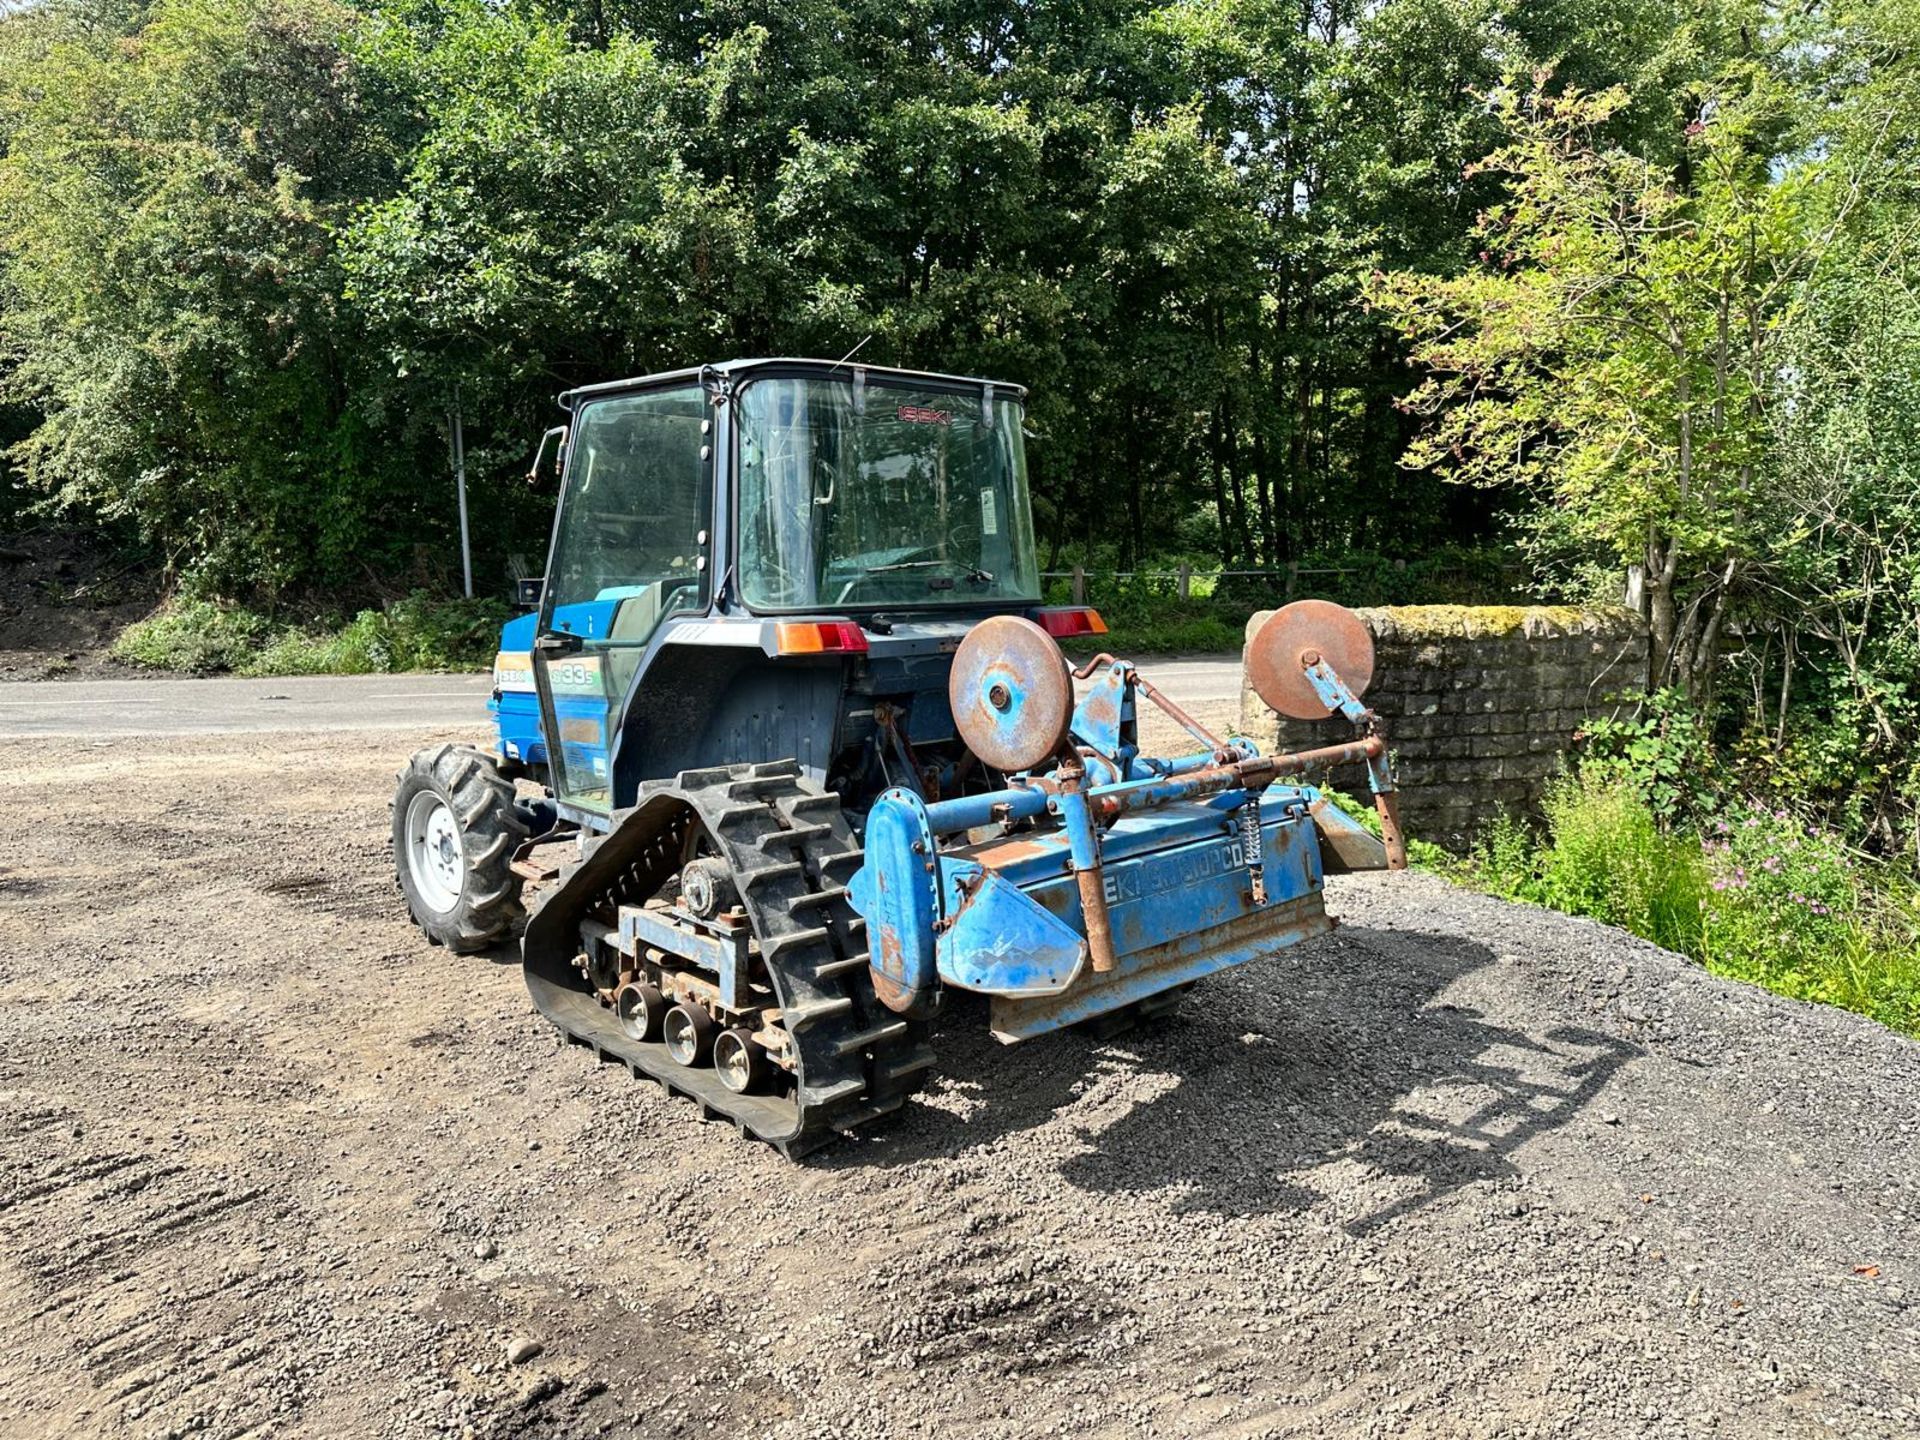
1479,703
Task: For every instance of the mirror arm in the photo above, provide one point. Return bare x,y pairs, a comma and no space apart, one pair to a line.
540,453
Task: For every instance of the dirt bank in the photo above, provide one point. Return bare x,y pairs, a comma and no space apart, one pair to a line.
64,596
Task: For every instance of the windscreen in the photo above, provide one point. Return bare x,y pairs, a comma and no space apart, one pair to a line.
880,495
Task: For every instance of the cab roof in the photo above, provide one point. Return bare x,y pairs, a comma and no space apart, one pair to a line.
788,365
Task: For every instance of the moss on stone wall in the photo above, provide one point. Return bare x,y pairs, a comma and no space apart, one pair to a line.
1476,622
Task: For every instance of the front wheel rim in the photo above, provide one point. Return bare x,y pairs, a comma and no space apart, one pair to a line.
435,858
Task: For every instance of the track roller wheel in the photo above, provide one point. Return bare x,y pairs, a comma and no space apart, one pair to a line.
708,887
641,1008
688,1032
842,1058
740,1064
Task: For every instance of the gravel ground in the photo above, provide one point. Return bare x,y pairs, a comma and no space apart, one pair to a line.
273,1167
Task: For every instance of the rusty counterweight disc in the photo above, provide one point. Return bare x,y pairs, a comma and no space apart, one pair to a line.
1277,670
1011,694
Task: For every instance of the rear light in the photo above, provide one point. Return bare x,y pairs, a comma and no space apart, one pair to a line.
1062,624
830,637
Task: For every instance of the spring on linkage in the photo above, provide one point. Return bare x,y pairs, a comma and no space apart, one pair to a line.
1250,840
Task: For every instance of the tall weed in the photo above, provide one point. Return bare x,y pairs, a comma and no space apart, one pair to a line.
1605,856
1760,896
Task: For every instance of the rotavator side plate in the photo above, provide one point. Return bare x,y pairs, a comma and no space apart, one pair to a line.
1277,657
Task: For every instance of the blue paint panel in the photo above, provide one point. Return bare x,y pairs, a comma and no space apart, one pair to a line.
895,893
1104,718
589,618
1147,973
516,716
516,713
1003,943
517,634
1175,878
1166,873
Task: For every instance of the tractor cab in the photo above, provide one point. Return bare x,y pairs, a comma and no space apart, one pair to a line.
767,557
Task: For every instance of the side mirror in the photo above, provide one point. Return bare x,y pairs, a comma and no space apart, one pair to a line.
527,593
557,439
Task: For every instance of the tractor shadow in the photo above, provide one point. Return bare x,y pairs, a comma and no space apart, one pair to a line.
1333,1073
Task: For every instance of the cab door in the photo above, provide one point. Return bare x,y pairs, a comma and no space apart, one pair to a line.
630,548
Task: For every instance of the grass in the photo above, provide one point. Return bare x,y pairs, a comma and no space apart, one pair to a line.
419,632
1172,633
1756,895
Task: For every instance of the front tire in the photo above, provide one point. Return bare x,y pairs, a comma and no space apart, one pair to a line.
455,828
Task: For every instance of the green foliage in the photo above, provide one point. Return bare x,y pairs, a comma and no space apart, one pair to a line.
251,251
1662,752
418,632
196,637
1792,910
1759,895
1146,614
170,304
1170,627
1611,352
1697,355
1836,715
1606,857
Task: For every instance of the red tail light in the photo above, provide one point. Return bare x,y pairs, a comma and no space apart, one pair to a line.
1063,624
821,637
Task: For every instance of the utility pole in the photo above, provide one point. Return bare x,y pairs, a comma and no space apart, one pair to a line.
457,443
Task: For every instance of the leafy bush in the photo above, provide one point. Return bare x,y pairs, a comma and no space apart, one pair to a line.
195,637
419,632
1663,753
1791,909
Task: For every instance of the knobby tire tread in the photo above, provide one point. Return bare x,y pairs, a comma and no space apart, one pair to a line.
792,853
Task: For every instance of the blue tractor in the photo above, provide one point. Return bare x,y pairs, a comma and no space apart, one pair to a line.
814,756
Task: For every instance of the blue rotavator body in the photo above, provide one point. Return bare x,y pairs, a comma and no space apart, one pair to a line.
1103,878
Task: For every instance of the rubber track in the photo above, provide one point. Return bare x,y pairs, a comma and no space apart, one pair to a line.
792,855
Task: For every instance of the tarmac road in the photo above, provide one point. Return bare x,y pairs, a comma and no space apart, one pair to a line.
358,703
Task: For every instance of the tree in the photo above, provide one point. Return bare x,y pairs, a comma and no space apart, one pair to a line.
1834,707
171,299
1612,354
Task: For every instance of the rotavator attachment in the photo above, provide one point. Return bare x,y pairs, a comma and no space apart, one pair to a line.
1092,877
